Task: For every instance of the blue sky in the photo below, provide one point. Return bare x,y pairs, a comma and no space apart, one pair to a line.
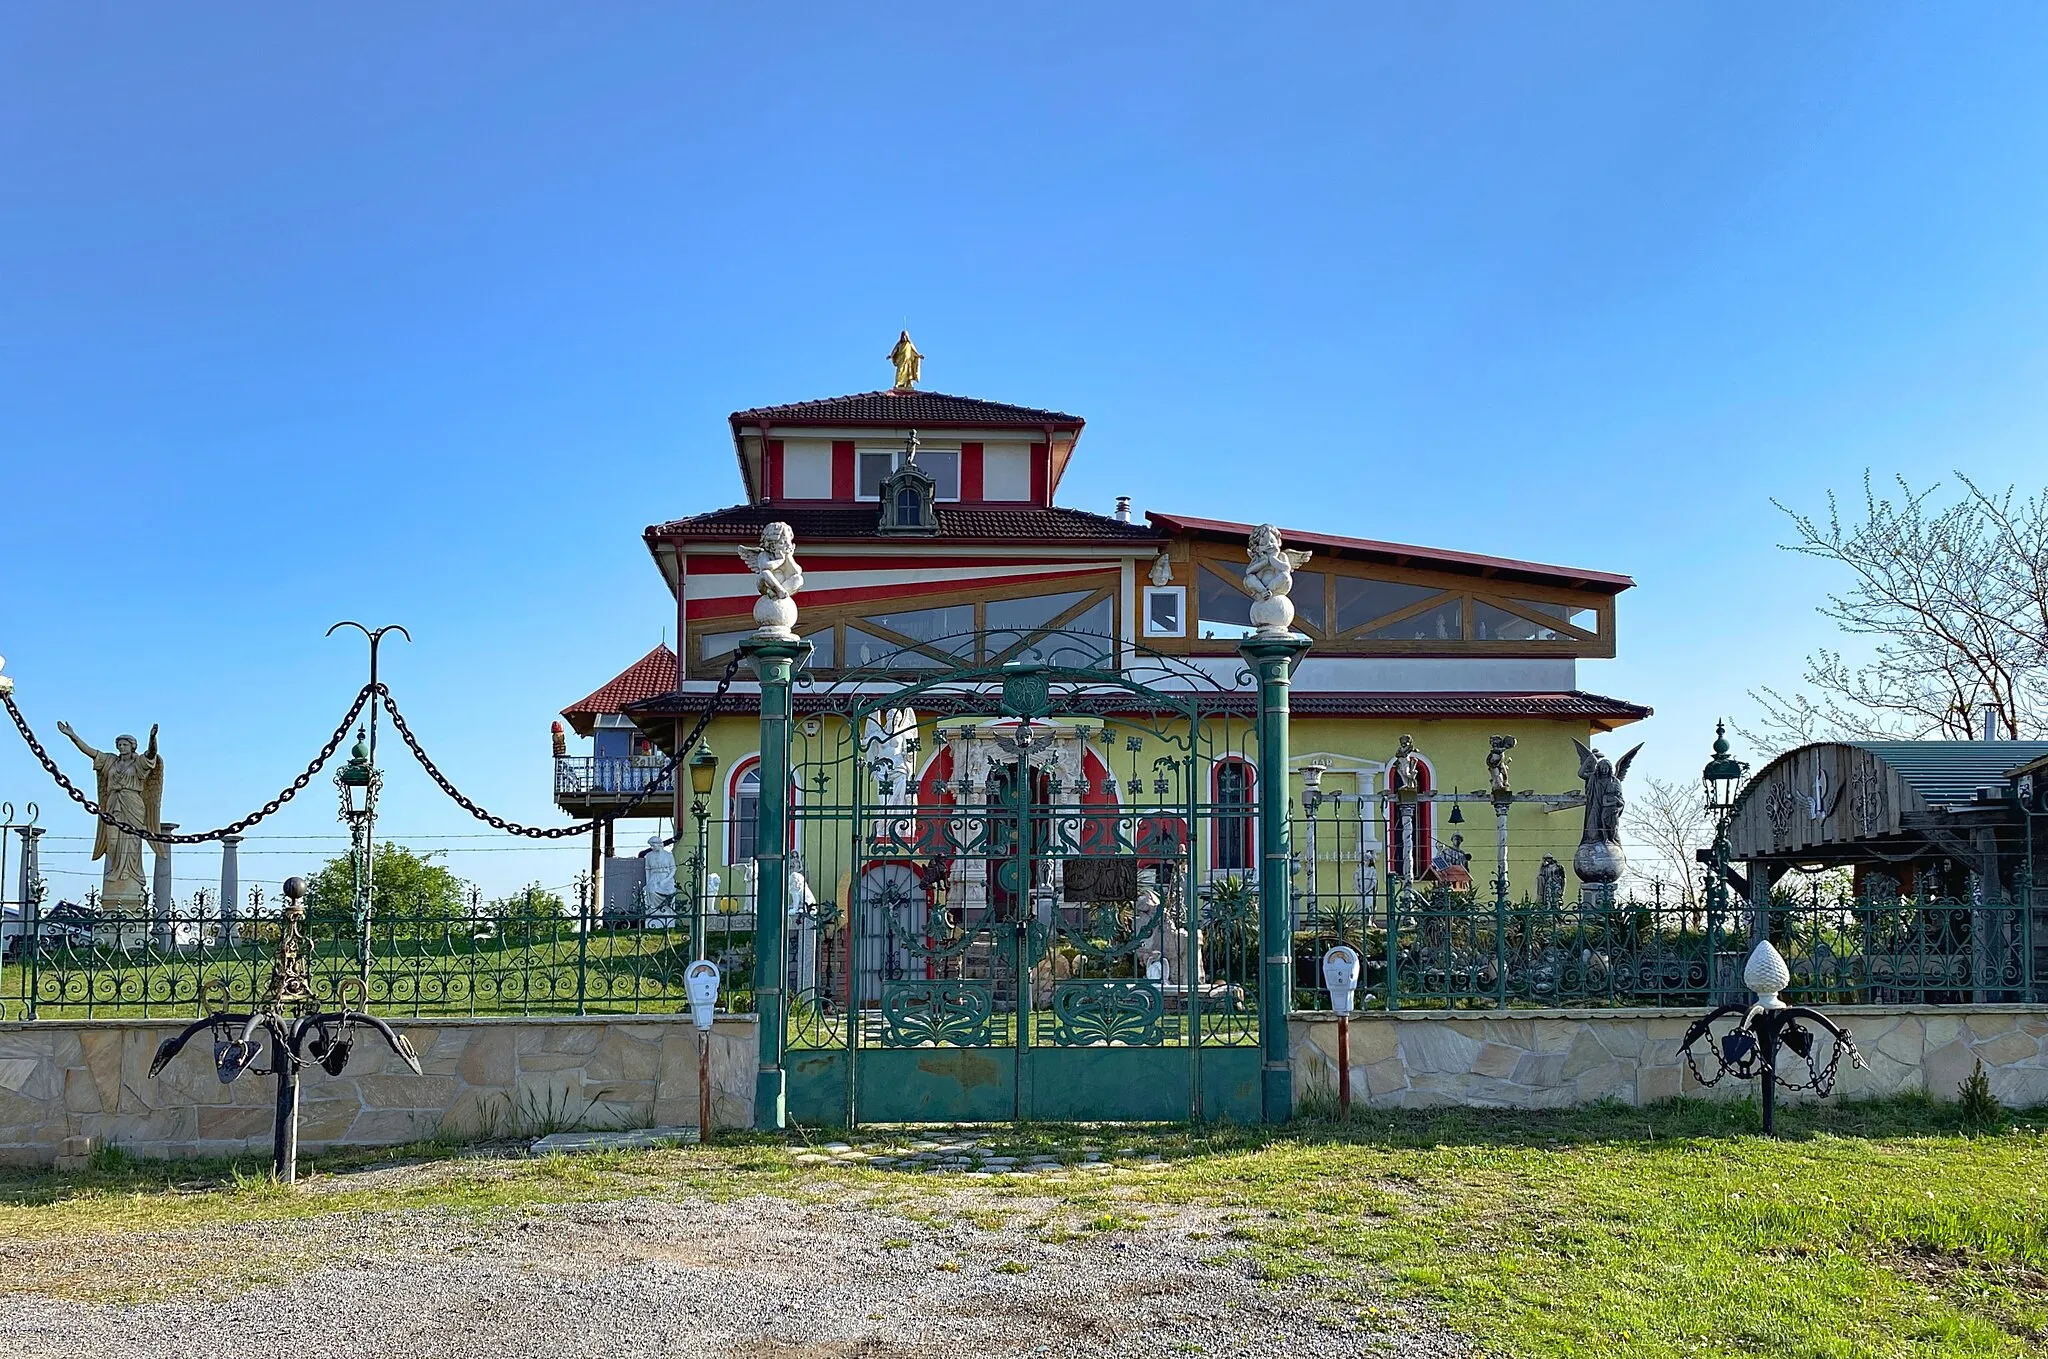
419,315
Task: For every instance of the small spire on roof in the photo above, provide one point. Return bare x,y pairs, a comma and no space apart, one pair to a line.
908,362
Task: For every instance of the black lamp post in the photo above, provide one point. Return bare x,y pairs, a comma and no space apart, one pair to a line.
703,777
359,781
1721,780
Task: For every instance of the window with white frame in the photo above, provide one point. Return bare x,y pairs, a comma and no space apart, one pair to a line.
873,465
1166,611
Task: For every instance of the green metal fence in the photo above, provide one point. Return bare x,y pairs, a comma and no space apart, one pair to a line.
479,963
1428,947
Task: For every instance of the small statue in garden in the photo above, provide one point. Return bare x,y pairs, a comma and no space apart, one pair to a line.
1599,859
1497,762
1550,882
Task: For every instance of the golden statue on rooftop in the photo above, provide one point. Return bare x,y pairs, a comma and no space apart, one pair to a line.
908,362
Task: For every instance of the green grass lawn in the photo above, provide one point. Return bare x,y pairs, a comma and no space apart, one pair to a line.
1874,1229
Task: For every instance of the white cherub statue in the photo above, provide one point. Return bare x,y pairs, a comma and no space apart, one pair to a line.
1270,577
775,567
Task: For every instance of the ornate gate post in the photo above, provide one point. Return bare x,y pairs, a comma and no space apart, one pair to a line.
773,652
1271,651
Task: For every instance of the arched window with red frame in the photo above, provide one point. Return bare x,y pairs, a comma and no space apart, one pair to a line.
1233,825
1425,825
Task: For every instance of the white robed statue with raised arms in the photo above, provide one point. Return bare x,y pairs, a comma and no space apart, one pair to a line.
131,790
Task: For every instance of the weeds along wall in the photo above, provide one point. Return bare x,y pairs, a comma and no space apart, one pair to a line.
88,1085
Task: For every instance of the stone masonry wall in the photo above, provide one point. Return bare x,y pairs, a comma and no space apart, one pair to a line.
483,1077
1549,1058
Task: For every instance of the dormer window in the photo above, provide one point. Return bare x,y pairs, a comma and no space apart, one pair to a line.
908,492
875,464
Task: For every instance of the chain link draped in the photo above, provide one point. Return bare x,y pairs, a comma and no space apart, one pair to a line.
297,785
383,695
655,785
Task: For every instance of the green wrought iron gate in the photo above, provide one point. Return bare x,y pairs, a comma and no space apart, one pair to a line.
1014,894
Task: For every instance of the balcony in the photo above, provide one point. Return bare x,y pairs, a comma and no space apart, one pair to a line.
588,784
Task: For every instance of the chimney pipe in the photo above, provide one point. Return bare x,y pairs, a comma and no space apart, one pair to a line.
1991,722
1123,509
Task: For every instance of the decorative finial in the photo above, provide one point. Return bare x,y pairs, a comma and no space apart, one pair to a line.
1720,740
1766,974
908,361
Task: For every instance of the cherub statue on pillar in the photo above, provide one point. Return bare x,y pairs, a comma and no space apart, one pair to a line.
779,577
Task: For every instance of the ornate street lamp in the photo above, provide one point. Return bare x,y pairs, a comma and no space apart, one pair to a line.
359,781
1722,782
703,778
1722,778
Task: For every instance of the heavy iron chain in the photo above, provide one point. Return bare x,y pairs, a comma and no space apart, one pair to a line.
1824,1076
269,808
654,785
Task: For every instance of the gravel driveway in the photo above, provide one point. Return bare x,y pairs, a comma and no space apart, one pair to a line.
757,1278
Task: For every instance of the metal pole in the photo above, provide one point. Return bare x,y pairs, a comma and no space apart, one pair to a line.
703,1086
773,660
699,923
1270,659
284,1143
1344,1065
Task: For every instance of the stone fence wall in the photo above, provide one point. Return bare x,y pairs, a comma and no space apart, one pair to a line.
483,1077
65,1082
1544,1059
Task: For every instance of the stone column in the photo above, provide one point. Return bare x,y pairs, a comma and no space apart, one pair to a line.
1271,659
230,888
163,904
773,660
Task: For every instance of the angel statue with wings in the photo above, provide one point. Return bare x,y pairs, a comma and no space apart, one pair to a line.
1270,577
131,791
779,577
1599,858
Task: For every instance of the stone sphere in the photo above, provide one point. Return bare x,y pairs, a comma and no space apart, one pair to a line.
295,888
1599,862
775,617
1273,615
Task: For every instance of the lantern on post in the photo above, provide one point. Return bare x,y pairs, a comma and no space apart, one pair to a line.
703,777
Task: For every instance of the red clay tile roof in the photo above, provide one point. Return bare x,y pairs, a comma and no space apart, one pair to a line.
1401,554
856,521
923,409
649,677
1603,712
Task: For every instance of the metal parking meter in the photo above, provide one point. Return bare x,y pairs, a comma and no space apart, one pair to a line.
700,983
1340,979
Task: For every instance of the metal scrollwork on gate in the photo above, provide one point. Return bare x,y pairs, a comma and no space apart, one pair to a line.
1115,1011
954,1013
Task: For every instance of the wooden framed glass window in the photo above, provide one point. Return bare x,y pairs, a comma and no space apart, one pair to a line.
1351,608
1073,621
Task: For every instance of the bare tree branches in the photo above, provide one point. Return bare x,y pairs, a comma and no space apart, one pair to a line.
1955,600
1666,826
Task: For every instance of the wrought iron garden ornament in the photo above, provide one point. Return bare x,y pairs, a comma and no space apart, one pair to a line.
291,1013
1750,1049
